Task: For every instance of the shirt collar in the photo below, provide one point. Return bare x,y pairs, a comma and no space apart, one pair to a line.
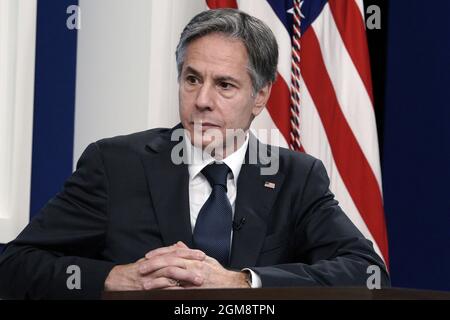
199,159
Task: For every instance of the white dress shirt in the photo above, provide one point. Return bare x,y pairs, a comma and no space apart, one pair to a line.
200,189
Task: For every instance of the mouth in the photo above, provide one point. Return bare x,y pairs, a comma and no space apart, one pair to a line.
205,125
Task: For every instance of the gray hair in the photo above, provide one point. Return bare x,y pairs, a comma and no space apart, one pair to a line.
260,42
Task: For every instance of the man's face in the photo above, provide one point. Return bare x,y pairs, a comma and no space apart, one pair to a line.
215,89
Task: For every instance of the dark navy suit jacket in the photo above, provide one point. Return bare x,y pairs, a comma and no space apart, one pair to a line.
127,197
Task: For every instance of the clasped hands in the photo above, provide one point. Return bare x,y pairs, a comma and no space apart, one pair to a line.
173,267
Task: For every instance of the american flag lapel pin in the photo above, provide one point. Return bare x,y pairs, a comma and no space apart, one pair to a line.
270,185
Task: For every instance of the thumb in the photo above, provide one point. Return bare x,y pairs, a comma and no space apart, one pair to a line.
181,244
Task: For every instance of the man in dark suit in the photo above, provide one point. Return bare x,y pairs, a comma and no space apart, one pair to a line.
136,216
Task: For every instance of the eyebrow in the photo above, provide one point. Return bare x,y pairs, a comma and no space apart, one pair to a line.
192,70
219,78
227,78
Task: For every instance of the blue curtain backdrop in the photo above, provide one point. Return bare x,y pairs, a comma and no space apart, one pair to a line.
416,152
54,104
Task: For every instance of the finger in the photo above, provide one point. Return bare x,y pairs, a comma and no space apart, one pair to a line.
159,262
160,283
165,250
156,263
176,288
179,274
185,287
211,260
159,251
177,251
181,244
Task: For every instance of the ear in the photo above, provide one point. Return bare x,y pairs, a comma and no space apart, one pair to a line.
261,98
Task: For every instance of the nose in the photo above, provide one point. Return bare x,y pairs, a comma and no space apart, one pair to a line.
204,99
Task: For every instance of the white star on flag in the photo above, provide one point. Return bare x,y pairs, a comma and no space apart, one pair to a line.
291,10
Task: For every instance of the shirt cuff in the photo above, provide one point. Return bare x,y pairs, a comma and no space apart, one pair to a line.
255,278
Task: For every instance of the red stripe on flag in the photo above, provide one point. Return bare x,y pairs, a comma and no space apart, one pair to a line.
215,4
278,106
346,14
351,162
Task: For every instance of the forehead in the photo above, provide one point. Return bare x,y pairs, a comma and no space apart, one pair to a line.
218,52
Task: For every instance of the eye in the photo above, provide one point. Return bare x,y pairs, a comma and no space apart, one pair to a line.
225,85
190,79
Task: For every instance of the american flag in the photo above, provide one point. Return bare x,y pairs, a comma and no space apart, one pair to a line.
322,101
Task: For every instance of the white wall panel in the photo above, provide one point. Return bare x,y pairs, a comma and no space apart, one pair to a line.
126,71
17,59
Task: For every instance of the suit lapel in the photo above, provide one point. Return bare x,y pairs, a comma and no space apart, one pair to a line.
253,203
169,190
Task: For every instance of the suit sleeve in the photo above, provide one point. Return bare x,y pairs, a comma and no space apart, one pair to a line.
69,231
329,249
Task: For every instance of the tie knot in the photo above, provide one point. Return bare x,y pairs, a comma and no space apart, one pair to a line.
216,173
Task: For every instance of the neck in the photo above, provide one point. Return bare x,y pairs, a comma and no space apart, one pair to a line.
222,152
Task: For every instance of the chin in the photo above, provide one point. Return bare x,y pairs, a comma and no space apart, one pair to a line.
207,142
